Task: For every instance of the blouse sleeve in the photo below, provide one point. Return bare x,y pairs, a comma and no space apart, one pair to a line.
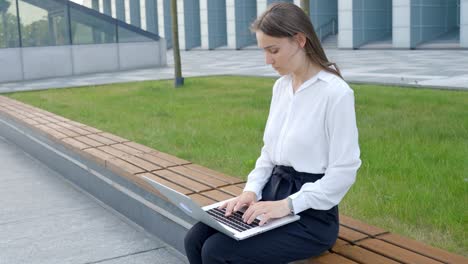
343,159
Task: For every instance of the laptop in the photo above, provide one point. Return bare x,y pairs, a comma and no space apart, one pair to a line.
233,226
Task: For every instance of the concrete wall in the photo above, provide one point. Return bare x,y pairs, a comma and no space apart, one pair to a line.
431,18
12,58
45,62
464,23
94,58
372,20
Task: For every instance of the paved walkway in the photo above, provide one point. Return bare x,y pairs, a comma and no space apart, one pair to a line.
445,69
44,219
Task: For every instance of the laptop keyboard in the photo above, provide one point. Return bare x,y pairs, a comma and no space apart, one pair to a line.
234,220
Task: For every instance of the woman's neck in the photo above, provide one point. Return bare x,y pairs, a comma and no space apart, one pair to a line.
303,74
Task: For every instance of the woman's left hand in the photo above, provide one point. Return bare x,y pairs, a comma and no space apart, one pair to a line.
268,210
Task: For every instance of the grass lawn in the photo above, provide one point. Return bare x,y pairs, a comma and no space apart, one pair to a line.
414,142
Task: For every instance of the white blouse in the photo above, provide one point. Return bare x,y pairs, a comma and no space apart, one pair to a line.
313,130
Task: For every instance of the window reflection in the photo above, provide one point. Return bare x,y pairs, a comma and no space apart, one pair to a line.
43,23
88,29
9,37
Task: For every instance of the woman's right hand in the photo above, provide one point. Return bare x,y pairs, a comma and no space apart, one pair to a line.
245,199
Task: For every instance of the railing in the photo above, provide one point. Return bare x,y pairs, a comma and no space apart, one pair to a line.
327,29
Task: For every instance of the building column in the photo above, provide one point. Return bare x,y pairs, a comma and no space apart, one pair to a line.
464,23
231,23
204,24
297,2
113,8
161,14
181,23
261,6
401,24
127,12
345,24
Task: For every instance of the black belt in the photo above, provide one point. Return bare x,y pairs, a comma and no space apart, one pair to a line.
285,181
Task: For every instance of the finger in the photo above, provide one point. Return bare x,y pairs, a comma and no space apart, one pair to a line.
253,216
248,213
229,208
265,218
223,205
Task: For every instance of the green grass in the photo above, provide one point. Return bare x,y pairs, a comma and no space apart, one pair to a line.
414,142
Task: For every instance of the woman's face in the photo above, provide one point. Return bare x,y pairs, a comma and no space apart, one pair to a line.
282,53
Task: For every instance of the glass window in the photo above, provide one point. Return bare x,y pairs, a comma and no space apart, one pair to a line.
9,37
128,35
89,28
43,23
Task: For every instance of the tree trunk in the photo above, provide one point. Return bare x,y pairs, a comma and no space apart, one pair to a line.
179,80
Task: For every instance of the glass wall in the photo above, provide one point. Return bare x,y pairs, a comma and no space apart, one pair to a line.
43,23
88,29
9,36
61,22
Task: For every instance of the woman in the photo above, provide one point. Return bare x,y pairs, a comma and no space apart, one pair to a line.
310,155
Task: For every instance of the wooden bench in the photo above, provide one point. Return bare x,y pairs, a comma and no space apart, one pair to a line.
358,242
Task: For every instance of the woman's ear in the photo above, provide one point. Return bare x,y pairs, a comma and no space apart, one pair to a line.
301,39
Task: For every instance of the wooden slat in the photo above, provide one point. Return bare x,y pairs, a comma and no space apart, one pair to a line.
360,226
215,174
232,189
74,144
423,249
170,158
97,155
350,234
123,168
89,141
113,151
184,181
197,176
363,256
114,137
148,166
140,147
201,200
156,160
217,195
103,140
398,253
126,149
330,258
165,183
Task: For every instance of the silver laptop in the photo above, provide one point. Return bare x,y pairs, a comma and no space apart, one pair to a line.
210,215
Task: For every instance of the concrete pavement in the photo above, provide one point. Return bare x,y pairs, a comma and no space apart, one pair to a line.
44,219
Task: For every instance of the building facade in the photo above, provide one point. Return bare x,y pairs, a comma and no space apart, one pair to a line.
52,38
211,24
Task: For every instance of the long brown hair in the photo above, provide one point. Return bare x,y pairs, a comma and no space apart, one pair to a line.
282,20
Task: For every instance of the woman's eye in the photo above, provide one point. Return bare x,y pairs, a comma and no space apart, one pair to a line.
274,51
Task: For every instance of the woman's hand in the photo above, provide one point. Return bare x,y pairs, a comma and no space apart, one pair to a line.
245,199
268,210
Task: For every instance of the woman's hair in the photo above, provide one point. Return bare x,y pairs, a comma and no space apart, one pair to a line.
286,20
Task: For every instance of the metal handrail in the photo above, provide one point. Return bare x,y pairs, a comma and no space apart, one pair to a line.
329,28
